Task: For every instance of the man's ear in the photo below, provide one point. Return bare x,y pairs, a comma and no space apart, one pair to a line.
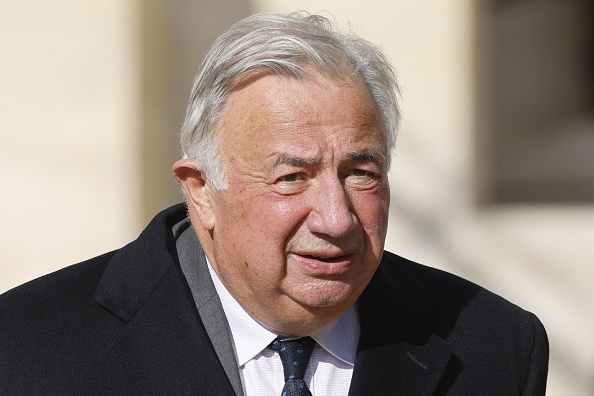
198,191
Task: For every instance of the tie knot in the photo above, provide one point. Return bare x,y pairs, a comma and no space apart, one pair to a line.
295,356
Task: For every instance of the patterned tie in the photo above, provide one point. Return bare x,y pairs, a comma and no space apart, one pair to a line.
295,356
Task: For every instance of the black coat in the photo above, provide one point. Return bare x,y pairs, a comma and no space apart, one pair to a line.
125,323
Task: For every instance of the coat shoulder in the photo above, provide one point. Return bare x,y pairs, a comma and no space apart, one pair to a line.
64,286
450,289
52,330
485,332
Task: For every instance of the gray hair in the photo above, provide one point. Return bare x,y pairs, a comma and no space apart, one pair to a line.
286,45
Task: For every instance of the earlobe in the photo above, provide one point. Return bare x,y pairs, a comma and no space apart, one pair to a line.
198,192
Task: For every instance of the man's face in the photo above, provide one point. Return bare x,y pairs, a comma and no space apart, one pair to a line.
300,231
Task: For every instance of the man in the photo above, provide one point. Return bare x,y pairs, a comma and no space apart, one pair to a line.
279,249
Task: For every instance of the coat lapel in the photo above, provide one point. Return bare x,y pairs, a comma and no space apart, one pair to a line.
193,264
397,355
162,341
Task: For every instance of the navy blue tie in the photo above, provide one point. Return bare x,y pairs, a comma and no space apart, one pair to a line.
295,356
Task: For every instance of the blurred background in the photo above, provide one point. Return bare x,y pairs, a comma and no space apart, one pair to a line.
494,174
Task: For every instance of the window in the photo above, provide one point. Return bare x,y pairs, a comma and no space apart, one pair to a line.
535,98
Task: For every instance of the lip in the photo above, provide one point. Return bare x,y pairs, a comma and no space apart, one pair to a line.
324,263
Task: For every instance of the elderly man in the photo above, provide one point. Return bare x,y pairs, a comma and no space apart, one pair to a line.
272,278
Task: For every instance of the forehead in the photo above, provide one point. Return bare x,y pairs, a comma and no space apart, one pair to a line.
300,114
316,99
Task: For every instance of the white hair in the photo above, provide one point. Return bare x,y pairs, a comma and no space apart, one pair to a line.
289,45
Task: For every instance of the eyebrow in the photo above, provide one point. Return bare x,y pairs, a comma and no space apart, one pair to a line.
366,155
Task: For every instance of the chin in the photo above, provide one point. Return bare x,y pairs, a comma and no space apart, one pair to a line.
324,295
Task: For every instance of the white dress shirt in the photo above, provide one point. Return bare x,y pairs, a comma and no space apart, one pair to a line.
331,365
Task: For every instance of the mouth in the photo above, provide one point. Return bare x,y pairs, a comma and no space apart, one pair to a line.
323,263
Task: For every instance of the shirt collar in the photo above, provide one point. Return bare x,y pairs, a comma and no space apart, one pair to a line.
340,338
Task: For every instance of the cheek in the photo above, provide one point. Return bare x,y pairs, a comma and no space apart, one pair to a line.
285,206
262,225
284,214
373,212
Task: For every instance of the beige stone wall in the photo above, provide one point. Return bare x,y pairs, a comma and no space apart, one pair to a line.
68,133
86,96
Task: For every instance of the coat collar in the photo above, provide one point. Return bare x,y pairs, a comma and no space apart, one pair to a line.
162,341
135,270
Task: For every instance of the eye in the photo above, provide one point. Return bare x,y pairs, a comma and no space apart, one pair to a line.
362,173
291,183
361,178
290,178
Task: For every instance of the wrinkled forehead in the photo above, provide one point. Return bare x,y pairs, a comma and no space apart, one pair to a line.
307,74
308,78
271,106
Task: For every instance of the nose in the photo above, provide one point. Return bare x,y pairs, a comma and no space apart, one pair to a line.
331,210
